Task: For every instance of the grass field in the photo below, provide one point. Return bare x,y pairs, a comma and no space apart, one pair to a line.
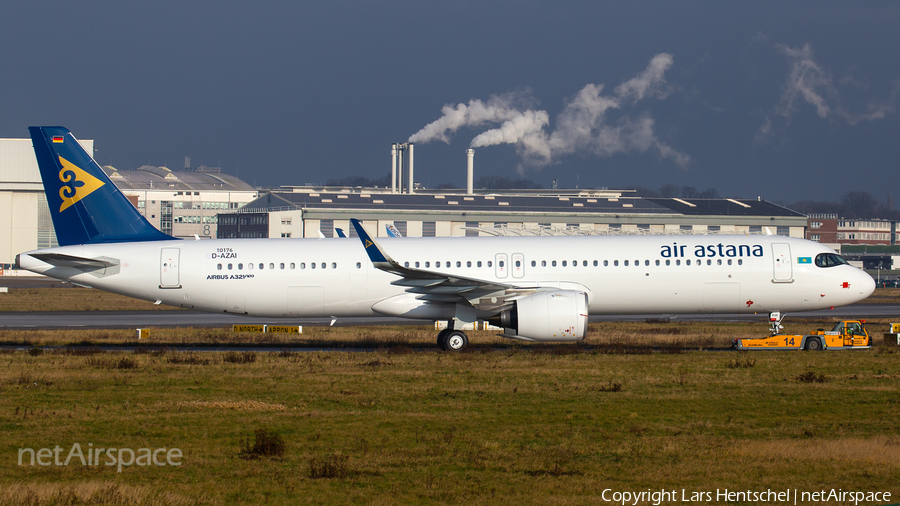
524,425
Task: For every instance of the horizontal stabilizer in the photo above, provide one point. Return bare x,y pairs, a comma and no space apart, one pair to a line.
81,263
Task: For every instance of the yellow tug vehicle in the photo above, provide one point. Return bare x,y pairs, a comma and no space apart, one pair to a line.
847,334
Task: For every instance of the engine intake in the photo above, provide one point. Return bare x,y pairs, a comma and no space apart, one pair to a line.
557,315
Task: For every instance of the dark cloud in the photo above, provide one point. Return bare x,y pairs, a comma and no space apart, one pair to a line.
785,100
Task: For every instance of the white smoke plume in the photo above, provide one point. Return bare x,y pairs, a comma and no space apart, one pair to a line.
476,113
809,83
581,127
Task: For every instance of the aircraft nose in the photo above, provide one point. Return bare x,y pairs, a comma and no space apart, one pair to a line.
866,284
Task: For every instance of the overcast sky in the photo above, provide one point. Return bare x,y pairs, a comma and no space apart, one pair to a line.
784,100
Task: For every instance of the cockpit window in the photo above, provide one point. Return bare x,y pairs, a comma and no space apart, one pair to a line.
829,260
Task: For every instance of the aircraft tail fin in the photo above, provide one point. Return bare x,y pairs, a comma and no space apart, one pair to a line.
86,206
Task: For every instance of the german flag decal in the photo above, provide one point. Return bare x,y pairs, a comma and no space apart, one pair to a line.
58,139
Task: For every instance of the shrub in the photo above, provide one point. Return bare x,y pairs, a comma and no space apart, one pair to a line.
811,377
266,443
329,466
240,357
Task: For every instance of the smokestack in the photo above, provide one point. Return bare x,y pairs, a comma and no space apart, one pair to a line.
410,168
393,168
470,171
400,168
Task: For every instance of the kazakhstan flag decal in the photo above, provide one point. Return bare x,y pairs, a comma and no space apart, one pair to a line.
804,260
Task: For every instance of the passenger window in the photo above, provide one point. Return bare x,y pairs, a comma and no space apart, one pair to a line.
606,263
468,263
312,265
637,263
518,263
359,265
219,267
564,263
543,263
292,265
533,263
646,262
334,265
405,264
281,265
584,263
229,267
708,262
729,261
501,263
553,263
668,262
479,263
427,264
677,262
626,263
615,263
740,261
250,266
448,265
657,262
302,265
458,264
240,267
490,263
687,262
271,266
719,261
262,266
417,265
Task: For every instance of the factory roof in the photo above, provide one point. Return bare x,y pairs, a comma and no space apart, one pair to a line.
502,202
149,177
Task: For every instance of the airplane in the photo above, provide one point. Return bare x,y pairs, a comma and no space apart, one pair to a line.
392,231
536,288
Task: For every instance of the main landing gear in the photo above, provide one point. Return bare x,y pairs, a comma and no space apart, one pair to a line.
452,340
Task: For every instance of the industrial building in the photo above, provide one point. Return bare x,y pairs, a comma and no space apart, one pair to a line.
308,211
182,204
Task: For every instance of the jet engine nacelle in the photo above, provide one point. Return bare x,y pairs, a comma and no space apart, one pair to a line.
558,315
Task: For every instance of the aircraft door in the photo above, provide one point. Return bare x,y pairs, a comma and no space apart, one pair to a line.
781,253
500,261
518,265
168,268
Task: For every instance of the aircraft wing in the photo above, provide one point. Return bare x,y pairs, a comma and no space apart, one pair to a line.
437,286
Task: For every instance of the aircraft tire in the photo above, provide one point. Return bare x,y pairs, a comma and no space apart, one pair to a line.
442,339
814,344
456,340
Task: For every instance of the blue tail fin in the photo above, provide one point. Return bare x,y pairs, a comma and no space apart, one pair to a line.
85,205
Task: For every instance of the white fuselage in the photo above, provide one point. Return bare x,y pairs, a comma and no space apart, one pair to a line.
334,277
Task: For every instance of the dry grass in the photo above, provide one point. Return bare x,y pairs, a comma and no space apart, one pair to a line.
878,450
72,299
88,492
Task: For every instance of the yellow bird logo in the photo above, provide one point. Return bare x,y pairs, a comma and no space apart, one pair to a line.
368,243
